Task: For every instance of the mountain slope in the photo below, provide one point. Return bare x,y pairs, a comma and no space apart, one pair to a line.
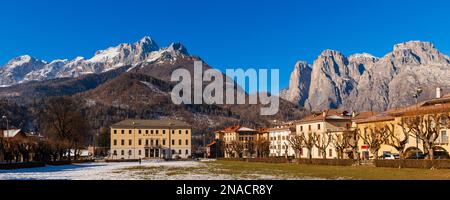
25,68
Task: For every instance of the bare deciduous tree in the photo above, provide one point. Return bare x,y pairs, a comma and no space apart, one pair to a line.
398,141
308,141
340,142
262,147
426,128
237,148
297,143
322,141
374,137
64,124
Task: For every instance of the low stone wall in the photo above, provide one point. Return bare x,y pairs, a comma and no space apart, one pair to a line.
9,166
424,164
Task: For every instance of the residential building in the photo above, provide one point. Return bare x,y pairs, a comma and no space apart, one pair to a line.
235,136
150,139
279,141
393,118
20,137
325,125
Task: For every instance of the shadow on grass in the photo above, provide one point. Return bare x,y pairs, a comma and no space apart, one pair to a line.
50,169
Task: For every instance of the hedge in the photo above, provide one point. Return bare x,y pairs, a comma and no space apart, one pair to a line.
331,162
424,164
9,166
121,160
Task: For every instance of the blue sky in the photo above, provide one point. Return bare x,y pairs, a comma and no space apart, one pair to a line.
226,34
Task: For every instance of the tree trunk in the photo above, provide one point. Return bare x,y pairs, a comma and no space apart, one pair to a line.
310,153
375,154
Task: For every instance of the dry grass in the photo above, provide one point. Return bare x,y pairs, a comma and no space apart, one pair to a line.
297,171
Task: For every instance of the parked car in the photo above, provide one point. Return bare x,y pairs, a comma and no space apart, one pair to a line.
389,156
441,155
420,156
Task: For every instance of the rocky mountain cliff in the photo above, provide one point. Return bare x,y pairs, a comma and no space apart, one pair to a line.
364,82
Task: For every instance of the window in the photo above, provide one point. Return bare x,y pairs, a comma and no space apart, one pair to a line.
122,152
164,131
140,142
115,152
129,131
151,132
157,142
140,131
146,142
318,126
123,142
157,132
187,132
444,137
330,153
179,142
173,151
139,152
164,142
187,152
309,127
130,142
173,142
115,142
115,131
151,142
187,142
130,152
173,131
123,131
146,131
179,151
179,132
301,128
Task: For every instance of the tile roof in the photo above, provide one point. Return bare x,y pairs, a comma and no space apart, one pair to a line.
332,114
135,123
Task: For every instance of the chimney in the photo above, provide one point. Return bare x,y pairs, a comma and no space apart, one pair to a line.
353,114
324,113
438,92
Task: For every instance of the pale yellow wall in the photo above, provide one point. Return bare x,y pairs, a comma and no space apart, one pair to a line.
135,136
398,131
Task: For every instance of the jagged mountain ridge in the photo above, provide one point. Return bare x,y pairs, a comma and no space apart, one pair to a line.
364,82
26,68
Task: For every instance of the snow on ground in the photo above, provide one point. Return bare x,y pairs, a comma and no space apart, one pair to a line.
89,171
148,170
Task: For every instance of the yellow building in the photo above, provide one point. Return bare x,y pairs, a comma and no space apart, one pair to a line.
390,122
150,139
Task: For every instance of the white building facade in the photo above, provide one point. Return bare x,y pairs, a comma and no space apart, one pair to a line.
279,142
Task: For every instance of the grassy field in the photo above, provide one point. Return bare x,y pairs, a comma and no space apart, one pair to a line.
296,171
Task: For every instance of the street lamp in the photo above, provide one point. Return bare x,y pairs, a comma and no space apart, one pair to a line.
416,97
7,122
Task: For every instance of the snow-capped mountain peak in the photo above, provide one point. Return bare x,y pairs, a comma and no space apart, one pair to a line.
26,68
